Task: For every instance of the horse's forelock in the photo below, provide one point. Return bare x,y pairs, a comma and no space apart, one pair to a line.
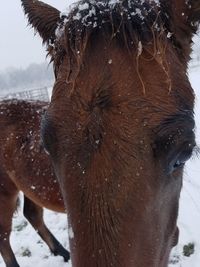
131,22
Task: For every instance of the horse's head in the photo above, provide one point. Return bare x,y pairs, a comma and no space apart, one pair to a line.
120,125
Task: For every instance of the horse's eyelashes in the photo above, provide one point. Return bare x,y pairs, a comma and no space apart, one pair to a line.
173,148
178,156
173,133
174,163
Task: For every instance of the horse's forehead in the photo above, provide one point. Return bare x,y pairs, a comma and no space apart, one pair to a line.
115,65
149,70
134,77
133,23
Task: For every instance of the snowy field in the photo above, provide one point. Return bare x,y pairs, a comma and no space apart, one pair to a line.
30,249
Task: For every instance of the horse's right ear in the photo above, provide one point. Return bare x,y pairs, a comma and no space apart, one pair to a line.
185,18
43,18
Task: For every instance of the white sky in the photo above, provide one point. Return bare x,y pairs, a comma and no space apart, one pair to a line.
18,45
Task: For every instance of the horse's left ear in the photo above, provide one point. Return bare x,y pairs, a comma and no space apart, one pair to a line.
44,18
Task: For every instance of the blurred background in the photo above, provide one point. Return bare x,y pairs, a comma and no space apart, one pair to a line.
23,62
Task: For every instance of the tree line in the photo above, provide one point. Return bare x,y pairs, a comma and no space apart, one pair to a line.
35,75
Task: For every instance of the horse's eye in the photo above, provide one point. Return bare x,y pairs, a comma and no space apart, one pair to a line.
179,158
179,164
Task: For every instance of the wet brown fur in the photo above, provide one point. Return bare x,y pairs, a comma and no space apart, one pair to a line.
118,119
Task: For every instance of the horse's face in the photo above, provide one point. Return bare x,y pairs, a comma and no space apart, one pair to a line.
119,130
119,152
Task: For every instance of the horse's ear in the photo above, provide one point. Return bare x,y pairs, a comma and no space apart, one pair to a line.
185,17
43,18
194,13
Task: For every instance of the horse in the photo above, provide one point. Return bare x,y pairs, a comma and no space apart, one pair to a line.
120,124
24,166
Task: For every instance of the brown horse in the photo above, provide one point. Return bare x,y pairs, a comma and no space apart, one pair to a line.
24,166
120,125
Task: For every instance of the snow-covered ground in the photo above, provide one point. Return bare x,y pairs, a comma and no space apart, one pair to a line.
30,249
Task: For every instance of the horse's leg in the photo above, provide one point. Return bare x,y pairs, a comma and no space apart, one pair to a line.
34,215
8,198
